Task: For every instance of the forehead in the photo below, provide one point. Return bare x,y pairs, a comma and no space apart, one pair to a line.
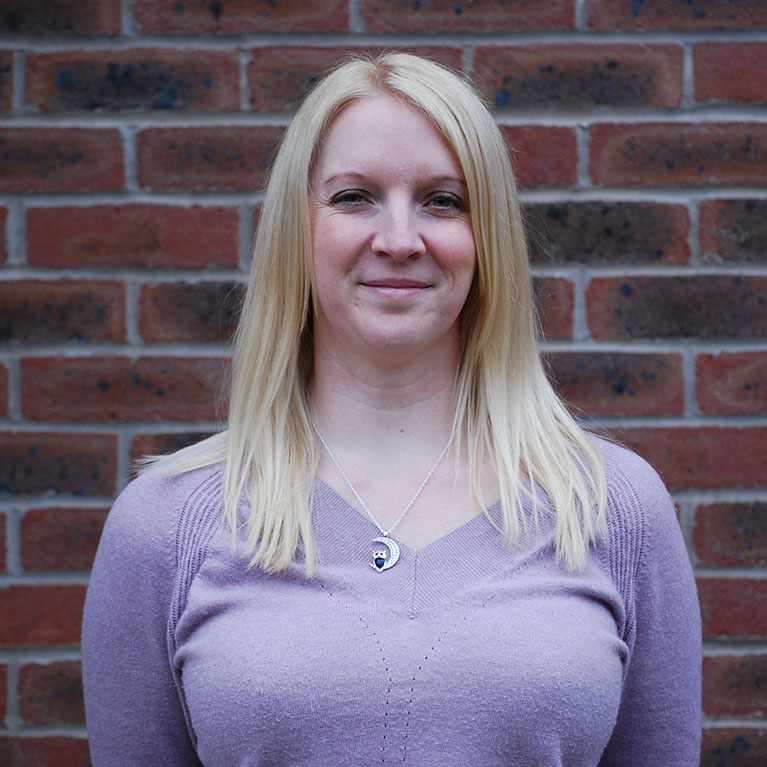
382,124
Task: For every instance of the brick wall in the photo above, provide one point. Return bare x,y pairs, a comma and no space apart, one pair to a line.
134,137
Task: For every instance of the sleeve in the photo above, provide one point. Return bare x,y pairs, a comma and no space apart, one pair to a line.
133,710
659,720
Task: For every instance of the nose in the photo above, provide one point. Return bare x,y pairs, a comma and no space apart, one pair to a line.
397,233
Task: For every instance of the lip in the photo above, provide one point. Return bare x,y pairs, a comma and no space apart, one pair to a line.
396,283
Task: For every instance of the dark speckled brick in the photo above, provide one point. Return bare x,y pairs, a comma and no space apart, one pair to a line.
462,15
60,159
733,231
228,16
734,685
76,464
674,14
579,75
37,311
176,311
60,17
701,306
612,383
51,693
6,80
147,78
220,157
118,388
734,747
678,154
607,232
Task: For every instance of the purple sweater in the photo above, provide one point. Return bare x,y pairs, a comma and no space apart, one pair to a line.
464,653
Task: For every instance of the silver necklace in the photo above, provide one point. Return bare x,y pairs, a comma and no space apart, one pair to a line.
383,559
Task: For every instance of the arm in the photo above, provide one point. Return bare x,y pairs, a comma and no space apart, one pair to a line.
659,719
134,712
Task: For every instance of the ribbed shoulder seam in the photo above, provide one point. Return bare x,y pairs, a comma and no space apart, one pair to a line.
198,520
627,525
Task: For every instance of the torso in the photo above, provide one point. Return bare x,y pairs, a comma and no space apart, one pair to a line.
464,651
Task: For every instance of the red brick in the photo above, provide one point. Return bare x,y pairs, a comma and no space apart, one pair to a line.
51,694
542,155
60,159
555,299
227,16
702,457
280,76
575,75
730,72
144,445
221,157
733,231
56,751
3,691
38,311
41,462
674,154
60,539
41,615
615,383
734,608
466,15
118,388
735,685
60,17
182,311
731,533
3,390
675,14
6,80
698,306
734,747
154,236
607,232
144,78
3,221
732,383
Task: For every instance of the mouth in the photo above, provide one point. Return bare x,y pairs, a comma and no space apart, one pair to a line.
395,283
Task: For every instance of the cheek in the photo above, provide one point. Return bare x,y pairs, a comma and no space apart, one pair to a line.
463,255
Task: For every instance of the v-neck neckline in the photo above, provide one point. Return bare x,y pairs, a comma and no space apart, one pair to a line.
494,510
423,577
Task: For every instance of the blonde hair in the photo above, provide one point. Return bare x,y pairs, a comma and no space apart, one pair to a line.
505,405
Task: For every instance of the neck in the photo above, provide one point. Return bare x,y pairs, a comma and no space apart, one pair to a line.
378,408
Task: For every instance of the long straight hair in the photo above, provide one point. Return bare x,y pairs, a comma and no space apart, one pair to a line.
505,405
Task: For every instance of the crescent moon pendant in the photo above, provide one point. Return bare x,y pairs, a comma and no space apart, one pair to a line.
379,563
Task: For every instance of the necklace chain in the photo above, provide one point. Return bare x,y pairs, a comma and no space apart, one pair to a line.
362,503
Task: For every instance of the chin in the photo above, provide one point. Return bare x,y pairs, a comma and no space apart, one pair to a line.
406,344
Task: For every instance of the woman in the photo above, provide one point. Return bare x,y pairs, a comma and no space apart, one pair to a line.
323,583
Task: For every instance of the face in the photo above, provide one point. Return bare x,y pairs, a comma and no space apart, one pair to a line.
393,247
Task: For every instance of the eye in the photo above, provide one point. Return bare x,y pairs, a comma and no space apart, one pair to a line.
348,198
445,202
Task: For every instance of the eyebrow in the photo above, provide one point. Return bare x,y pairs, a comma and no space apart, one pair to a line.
353,175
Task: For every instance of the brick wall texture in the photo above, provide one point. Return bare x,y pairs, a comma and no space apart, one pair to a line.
135,139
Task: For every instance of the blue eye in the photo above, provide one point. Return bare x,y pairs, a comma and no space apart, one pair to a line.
446,202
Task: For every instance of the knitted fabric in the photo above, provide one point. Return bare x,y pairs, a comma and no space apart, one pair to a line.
464,652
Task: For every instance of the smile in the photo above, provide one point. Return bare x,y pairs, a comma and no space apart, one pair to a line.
395,283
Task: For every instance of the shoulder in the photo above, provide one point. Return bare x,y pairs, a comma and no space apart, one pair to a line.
148,516
643,533
640,516
636,495
628,472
